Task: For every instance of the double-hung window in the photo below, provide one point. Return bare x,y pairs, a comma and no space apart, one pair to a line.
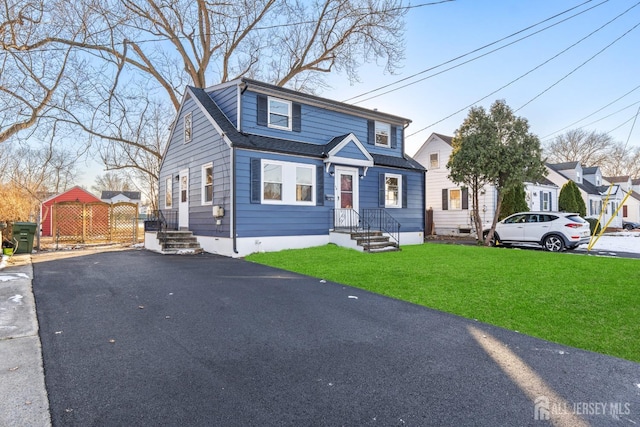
392,190
383,134
207,184
455,199
168,195
288,183
434,161
279,114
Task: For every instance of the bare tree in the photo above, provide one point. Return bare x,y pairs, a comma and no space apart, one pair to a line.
29,173
111,181
592,148
120,59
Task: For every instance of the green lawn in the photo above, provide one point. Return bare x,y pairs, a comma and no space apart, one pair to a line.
582,301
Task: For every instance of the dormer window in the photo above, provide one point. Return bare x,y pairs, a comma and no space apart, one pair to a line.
383,134
279,114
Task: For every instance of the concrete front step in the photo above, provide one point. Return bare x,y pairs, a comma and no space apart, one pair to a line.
180,242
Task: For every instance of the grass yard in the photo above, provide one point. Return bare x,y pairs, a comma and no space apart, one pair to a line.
588,302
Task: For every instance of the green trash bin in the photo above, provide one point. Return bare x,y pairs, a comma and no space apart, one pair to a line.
23,232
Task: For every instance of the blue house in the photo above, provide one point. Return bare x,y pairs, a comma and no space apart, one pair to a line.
254,167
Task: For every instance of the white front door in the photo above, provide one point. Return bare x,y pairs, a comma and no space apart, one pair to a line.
346,197
183,200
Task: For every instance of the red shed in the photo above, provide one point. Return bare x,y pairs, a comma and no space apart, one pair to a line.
75,194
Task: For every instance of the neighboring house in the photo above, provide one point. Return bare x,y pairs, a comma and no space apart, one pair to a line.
254,167
120,196
631,206
47,208
451,203
598,195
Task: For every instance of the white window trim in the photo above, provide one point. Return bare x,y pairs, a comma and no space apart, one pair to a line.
289,113
450,204
188,127
168,191
437,153
387,127
288,183
400,184
203,176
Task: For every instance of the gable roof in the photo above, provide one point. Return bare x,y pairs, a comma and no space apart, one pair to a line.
133,195
590,170
75,189
563,166
623,178
635,181
445,138
265,143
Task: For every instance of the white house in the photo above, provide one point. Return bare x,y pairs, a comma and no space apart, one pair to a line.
631,206
452,204
120,196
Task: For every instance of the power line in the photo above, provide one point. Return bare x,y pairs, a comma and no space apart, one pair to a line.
474,51
594,113
537,67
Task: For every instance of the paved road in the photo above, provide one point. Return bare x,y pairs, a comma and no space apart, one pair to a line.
138,339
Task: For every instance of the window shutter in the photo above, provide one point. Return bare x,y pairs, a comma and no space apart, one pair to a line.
262,110
381,190
541,201
404,191
320,186
445,199
256,179
394,137
296,112
371,132
465,198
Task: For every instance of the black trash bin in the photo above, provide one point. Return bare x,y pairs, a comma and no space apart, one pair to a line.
23,232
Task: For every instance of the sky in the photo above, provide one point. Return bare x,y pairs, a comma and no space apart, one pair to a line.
558,79
580,73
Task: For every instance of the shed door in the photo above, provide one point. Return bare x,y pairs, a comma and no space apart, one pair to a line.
183,202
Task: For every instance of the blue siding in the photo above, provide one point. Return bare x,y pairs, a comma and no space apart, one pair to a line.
351,151
411,218
256,220
319,126
205,146
227,100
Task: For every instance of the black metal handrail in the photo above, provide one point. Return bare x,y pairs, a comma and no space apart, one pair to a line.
380,219
351,221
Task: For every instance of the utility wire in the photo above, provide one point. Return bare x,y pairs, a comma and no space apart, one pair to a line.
579,66
631,130
537,67
595,112
474,51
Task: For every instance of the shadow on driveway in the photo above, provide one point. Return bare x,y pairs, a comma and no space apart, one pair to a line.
135,338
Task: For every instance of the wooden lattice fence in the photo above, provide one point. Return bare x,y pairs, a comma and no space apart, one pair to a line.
92,222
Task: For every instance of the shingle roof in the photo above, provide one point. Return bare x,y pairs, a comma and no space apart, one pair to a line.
445,138
623,178
133,195
285,146
563,166
590,170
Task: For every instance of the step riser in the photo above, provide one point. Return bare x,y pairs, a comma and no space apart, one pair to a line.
173,242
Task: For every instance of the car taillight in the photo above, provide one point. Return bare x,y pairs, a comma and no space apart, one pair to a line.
573,225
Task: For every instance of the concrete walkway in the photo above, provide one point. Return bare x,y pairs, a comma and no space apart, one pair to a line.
24,399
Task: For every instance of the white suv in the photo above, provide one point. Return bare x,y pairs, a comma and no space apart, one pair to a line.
554,231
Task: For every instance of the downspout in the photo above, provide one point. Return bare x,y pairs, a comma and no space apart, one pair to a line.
233,199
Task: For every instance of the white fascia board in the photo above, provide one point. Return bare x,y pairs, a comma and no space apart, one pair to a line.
347,139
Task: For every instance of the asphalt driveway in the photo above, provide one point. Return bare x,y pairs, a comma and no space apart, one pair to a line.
138,339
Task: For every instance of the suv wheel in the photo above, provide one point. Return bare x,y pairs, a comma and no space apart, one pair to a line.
628,227
553,243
